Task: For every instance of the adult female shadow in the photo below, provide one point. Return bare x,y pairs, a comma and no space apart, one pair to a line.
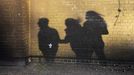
94,28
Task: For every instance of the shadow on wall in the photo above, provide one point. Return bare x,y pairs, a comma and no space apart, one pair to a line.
73,36
87,39
48,39
83,40
94,27
121,52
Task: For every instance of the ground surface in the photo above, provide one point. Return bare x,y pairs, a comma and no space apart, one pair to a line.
35,68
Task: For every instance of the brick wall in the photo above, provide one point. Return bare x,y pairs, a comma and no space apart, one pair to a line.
119,43
13,28
18,25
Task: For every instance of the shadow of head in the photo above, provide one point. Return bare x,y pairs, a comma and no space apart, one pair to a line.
70,22
43,22
93,15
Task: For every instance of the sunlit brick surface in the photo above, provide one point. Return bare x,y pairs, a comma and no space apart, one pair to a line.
18,24
119,42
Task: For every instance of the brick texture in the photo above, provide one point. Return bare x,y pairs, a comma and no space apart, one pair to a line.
18,25
118,43
13,28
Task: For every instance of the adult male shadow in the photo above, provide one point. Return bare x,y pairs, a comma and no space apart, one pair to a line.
74,36
94,28
48,40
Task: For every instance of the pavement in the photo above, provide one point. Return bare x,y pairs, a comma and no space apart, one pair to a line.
36,68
